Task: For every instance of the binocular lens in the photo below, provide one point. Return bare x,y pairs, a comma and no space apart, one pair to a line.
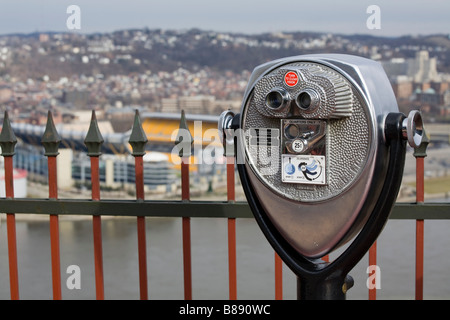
277,99
304,100
308,100
274,100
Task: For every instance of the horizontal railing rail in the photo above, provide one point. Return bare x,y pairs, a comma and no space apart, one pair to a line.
192,209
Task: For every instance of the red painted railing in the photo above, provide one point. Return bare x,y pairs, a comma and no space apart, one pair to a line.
93,141
420,198
11,230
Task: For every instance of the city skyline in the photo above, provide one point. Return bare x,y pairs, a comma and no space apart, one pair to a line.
415,17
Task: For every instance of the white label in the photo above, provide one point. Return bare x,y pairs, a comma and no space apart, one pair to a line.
305,169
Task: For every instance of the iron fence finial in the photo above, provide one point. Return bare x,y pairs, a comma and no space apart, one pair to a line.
51,139
94,139
184,138
138,138
8,139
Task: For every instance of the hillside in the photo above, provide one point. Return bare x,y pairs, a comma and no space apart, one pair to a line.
138,51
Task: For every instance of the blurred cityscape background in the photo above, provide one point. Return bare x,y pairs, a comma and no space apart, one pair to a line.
161,57
161,72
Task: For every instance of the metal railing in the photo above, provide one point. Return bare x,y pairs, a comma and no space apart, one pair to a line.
184,208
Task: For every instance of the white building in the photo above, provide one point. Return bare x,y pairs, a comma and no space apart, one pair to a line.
421,69
20,183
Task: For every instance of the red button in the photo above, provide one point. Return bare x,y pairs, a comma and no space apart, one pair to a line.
291,79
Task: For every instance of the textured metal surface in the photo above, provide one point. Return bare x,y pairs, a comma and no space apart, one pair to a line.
334,91
347,137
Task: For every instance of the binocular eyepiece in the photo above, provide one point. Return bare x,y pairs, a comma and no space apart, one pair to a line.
307,100
279,99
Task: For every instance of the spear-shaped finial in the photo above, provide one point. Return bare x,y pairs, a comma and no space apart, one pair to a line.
138,138
8,139
94,139
51,138
184,138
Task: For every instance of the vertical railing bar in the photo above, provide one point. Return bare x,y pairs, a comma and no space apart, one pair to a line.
11,231
420,154
93,142
419,258
278,277
419,230
8,141
373,262
142,246
138,139
231,197
142,252
186,230
51,140
54,231
184,142
97,231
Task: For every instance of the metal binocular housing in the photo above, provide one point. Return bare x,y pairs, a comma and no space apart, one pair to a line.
320,148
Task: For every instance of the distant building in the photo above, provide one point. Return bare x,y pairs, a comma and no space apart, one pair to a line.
169,105
446,98
197,104
76,98
418,81
445,111
428,97
420,69
202,104
402,86
423,68
20,183
6,93
396,67
43,37
440,87
100,45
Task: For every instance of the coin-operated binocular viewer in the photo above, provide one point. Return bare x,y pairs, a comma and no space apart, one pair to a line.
320,148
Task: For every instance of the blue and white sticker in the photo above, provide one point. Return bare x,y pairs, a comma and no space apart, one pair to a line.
303,169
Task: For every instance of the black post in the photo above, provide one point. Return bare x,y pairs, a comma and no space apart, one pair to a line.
333,287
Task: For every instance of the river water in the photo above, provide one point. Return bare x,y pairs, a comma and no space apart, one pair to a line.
255,260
